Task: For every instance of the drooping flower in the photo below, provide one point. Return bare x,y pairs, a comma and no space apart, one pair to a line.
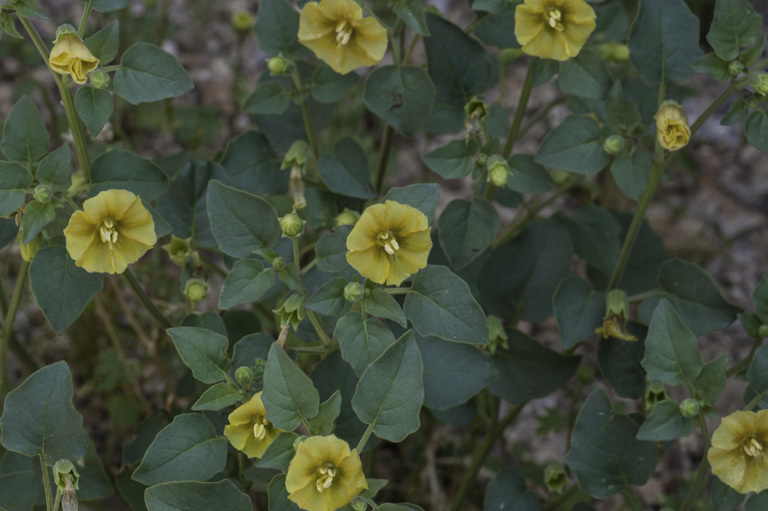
554,29
325,474
672,128
113,230
70,56
249,430
739,452
389,242
339,35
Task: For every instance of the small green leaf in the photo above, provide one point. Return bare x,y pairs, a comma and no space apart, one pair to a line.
277,29
128,171
196,496
665,423
466,229
453,160
323,423
578,311
585,75
94,106
412,13
710,384
36,216
247,282
25,137
279,453
331,250
620,113
714,67
328,86
422,196
55,170
401,95
203,351
329,299
148,73
575,145
735,24
14,179
756,130
268,98
632,173
757,374
528,176
105,43
671,353
596,236
383,305
217,396
619,361
29,9
362,340
289,394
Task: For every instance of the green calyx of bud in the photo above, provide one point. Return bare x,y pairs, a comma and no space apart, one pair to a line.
65,30
476,108
498,170
654,393
244,375
278,65
65,474
29,249
555,477
279,264
353,292
690,407
196,290
43,193
496,334
735,68
292,311
242,22
298,440
762,331
758,80
359,503
296,156
179,250
292,225
614,144
617,304
99,79
346,217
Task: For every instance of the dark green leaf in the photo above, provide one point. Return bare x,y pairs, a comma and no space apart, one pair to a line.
217,396
105,43
323,423
333,374
724,498
328,86
148,73
757,374
671,353
620,113
289,394
528,176
268,98
596,236
509,492
619,361
735,24
347,171
196,496
329,299
29,9
714,67
466,229
36,216
632,173
279,453
362,340
575,145
665,423
108,5
203,351
25,137
277,29
585,75
278,495
247,282
756,130
253,166
710,383
453,160
55,170
383,305
127,171
13,180
423,196
578,310
401,95
331,251
497,30
412,13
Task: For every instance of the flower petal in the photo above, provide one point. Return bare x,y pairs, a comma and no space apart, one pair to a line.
373,263
79,234
314,23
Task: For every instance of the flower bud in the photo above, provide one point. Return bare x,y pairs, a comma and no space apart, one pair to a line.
196,290
555,478
278,65
296,156
672,130
616,315
292,311
279,264
179,250
498,170
244,375
561,178
654,393
476,109
258,369
346,217
296,189
615,52
613,144
758,80
496,334
735,68
292,225
99,79
43,193
690,407
762,331
65,30
353,291
64,471
585,374
359,503
509,55
28,250
242,22
298,440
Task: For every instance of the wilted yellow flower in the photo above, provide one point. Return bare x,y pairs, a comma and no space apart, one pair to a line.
672,126
113,230
553,29
325,474
70,56
249,430
616,327
339,35
389,242
739,451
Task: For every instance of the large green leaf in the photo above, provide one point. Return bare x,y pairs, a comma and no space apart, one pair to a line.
196,496
203,351
578,310
36,216
528,176
329,299
466,229
665,423
596,236
25,137
105,43
253,166
14,179
508,491
247,282
289,394
735,24
724,498
619,361
40,420
148,73
362,340
19,482
585,75
128,171
94,106
391,390
632,173
401,95
452,160
575,145
277,29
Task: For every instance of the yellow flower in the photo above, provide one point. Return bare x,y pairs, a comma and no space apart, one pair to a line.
324,474
249,430
339,35
616,327
113,230
69,56
739,452
672,126
553,29
389,243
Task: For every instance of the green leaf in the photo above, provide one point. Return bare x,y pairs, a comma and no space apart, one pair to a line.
36,216
217,396
8,230
412,13
253,166
492,6
543,70
509,492
575,145
694,295
19,482
128,171
187,449
737,111
108,5
240,221
362,340
604,452
453,373
25,137
390,392
528,176
333,374
289,394
620,113
756,502
596,236
401,95
40,420
105,43
278,495
55,170
757,374
346,172
422,196
328,86
329,299
671,353
760,297
248,349
578,311
529,370
735,24
664,40
632,173
619,361
440,304
195,496
203,351
585,75
496,30
331,250
466,229
29,9
277,29
147,73
323,423
14,179
268,98
665,423
453,160
94,106
383,305
95,483
756,130
724,498
62,290
279,453
710,383
714,67
247,282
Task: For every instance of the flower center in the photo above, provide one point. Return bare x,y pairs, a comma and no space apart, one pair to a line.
108,232
325,478
343,32
752,447
260,426
554,17
387,240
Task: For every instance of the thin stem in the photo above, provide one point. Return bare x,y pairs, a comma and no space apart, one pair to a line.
365,437
397,290
296,256
57,500
308,267
305,115
540,114
8,324
515,227
744,363
411,47
319,328
642,296
145,300
701,475
755,400
84,19
522,104
46,484
384,149
308,349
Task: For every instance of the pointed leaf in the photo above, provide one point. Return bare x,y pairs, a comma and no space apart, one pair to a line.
196,496
289,394
25,137
148,73
247,282
665,423
362,340
203,351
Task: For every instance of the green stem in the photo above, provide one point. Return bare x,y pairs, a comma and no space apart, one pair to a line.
296,256
145,300
642,296
319,328
365,437
46,484
308,267
479,458
8,324
522,104
755,400
384,149
57,501
396,290
515,227
308,349
701,475
84,19
305,115
744,363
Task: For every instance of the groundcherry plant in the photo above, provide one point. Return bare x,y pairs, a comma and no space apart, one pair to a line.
253,316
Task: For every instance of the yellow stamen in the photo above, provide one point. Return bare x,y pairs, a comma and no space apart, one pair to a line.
343,32
327,473
753,448
388,242
108,232
554,18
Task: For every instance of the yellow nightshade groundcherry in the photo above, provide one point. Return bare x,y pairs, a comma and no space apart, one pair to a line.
70,56
113,230
339,35
325,474
672,128
389,243
249,430
739,452
553,29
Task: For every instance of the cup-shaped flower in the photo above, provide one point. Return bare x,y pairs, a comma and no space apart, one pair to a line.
553,29
70,56
672,128
389,242
739,452
249,430
339,35
113,230
325,474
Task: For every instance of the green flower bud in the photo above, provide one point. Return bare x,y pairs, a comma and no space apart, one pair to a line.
496,334
258,369
278,65
99,79
29,250
292,225
296,156
292,311
690,407
585,374
613,144
498,170
555,478
64,472
509,55
735,68
476,108
196,290
65,29
561,178
616,315
762,331
43,193
654,393
242,22
279,264
353,291
346,217
615,52
244,375
481,159
617,303
298,440
179,250
758,80
359,503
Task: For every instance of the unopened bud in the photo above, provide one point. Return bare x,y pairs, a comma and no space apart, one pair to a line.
65,30
296,156
498,170
292,225
735,68
654,393
29,250
179,250
64,471
585,374
298,440
279,264
99,79
497,337
476,109
196,290
278,65
359,503
296,189
43,193
672,130
346,217
555,478
758,80
244,375
690,407
242,22
614,144
762,331
353,291
292,311
509,55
